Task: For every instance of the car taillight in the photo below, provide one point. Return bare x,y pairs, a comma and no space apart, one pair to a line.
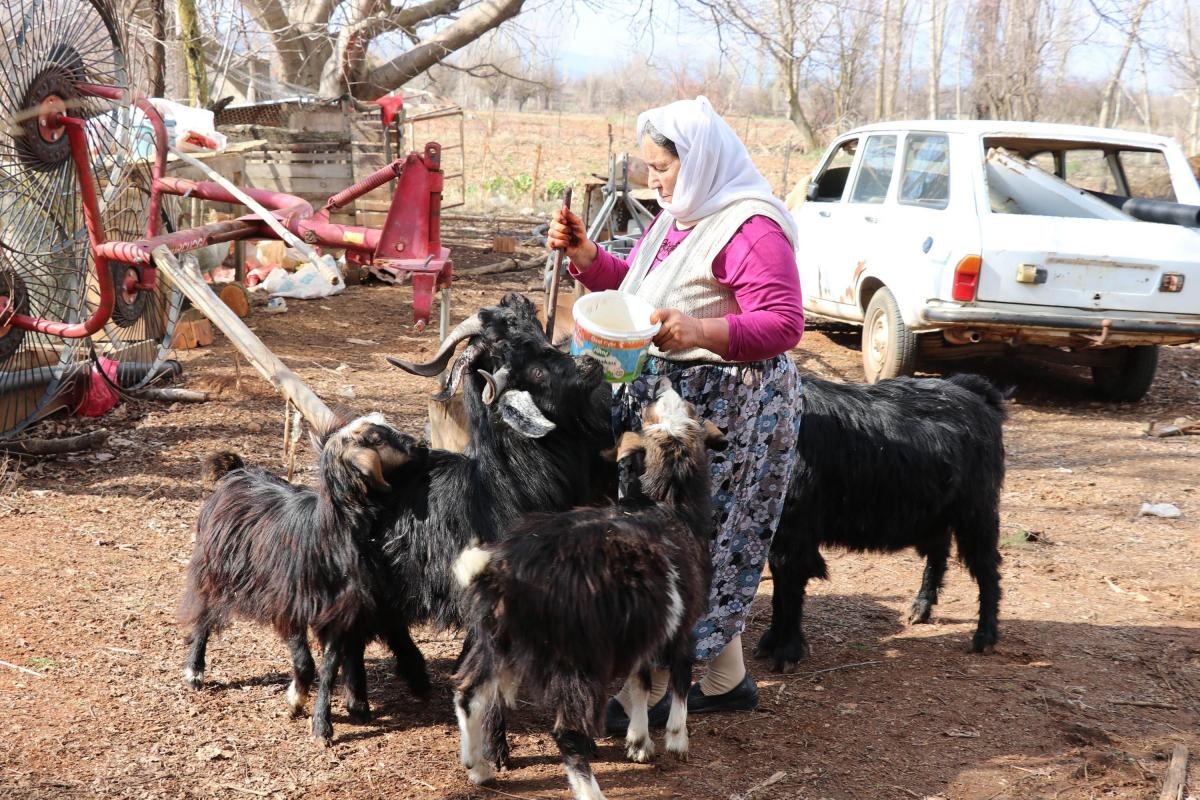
966,279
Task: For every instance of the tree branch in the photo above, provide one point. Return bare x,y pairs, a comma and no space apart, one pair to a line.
481,18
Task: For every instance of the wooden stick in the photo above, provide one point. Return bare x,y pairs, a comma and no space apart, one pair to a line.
1176,779
187,279
49,447
171,395
552,307
843,666
507,265
1145,704
19,668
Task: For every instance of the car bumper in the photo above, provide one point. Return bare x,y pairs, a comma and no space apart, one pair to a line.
942,315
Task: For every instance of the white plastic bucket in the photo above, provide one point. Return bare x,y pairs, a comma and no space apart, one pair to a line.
615,329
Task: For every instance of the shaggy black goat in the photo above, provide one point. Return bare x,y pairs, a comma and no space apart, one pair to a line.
567,602
903,463
297,558
537,438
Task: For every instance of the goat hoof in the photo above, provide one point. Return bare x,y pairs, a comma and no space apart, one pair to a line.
296,698
920,612
481,773
358,712
193,679
322,733
677,744
983,647
766,646
641,752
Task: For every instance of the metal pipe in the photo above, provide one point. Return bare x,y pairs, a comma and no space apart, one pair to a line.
91,214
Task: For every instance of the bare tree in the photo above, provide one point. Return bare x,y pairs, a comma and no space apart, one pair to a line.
329,46
788,30
937,29
1183,55
1010,43
1130,28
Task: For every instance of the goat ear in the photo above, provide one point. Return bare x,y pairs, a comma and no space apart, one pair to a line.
520,413
368,463
630,443
713,437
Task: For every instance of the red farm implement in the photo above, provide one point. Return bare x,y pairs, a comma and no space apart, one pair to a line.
87,214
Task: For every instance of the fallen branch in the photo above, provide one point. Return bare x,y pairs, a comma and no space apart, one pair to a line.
171,395
1174,783
1145,704
507,265
50,447
843,666
19,668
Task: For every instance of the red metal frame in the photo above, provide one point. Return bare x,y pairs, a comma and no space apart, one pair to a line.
408,244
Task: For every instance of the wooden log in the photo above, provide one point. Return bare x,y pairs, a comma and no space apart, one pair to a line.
188,280
507,265
49,447
171,395
1176,780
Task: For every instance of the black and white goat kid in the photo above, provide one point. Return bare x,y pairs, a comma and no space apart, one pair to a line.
568,602
296,558
902,463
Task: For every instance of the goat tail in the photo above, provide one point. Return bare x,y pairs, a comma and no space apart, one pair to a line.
471,561
982,387
218,465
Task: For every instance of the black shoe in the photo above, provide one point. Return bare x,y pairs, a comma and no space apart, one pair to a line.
616,721
743,697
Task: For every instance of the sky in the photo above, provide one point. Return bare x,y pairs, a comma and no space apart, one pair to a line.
588,40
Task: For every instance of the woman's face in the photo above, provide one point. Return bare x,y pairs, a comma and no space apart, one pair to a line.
664,168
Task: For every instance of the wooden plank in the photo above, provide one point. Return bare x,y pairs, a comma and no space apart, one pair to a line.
186,277
318,171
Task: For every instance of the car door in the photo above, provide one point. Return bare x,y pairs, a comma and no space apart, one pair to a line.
819,220
861,238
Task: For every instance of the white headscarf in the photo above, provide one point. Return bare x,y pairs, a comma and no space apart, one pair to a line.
715,168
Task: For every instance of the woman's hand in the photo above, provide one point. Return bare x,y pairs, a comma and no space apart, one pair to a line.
682,332
567,233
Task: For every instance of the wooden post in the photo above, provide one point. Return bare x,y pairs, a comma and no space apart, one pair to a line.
186,277
1176,780
783,180
537,166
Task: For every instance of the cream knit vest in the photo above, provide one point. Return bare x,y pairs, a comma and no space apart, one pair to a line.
684,279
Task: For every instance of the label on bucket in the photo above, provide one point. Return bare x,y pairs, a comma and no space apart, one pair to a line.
622,360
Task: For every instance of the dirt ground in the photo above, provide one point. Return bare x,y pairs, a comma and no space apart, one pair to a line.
1097,675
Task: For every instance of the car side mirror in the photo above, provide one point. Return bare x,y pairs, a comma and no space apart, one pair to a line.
813,191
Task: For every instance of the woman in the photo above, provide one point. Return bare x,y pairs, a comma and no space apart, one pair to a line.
719,266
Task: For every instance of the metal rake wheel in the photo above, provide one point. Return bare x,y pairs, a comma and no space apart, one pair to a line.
48,48
138,336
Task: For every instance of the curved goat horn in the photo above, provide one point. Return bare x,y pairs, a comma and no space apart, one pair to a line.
465,330
457,370
495,384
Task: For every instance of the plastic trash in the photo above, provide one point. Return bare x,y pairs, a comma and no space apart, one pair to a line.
1164,510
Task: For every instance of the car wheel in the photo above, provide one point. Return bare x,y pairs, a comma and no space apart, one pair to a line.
889,348
1128,377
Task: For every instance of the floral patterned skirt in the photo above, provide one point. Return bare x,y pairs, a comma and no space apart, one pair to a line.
757,406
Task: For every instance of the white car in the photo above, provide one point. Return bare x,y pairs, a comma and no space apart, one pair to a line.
954,239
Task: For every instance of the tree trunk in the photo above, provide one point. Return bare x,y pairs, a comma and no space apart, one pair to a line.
193,52
470,26
937,24
881,82
1107,109
808,139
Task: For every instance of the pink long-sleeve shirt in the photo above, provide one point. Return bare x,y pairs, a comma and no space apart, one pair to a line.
758,264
